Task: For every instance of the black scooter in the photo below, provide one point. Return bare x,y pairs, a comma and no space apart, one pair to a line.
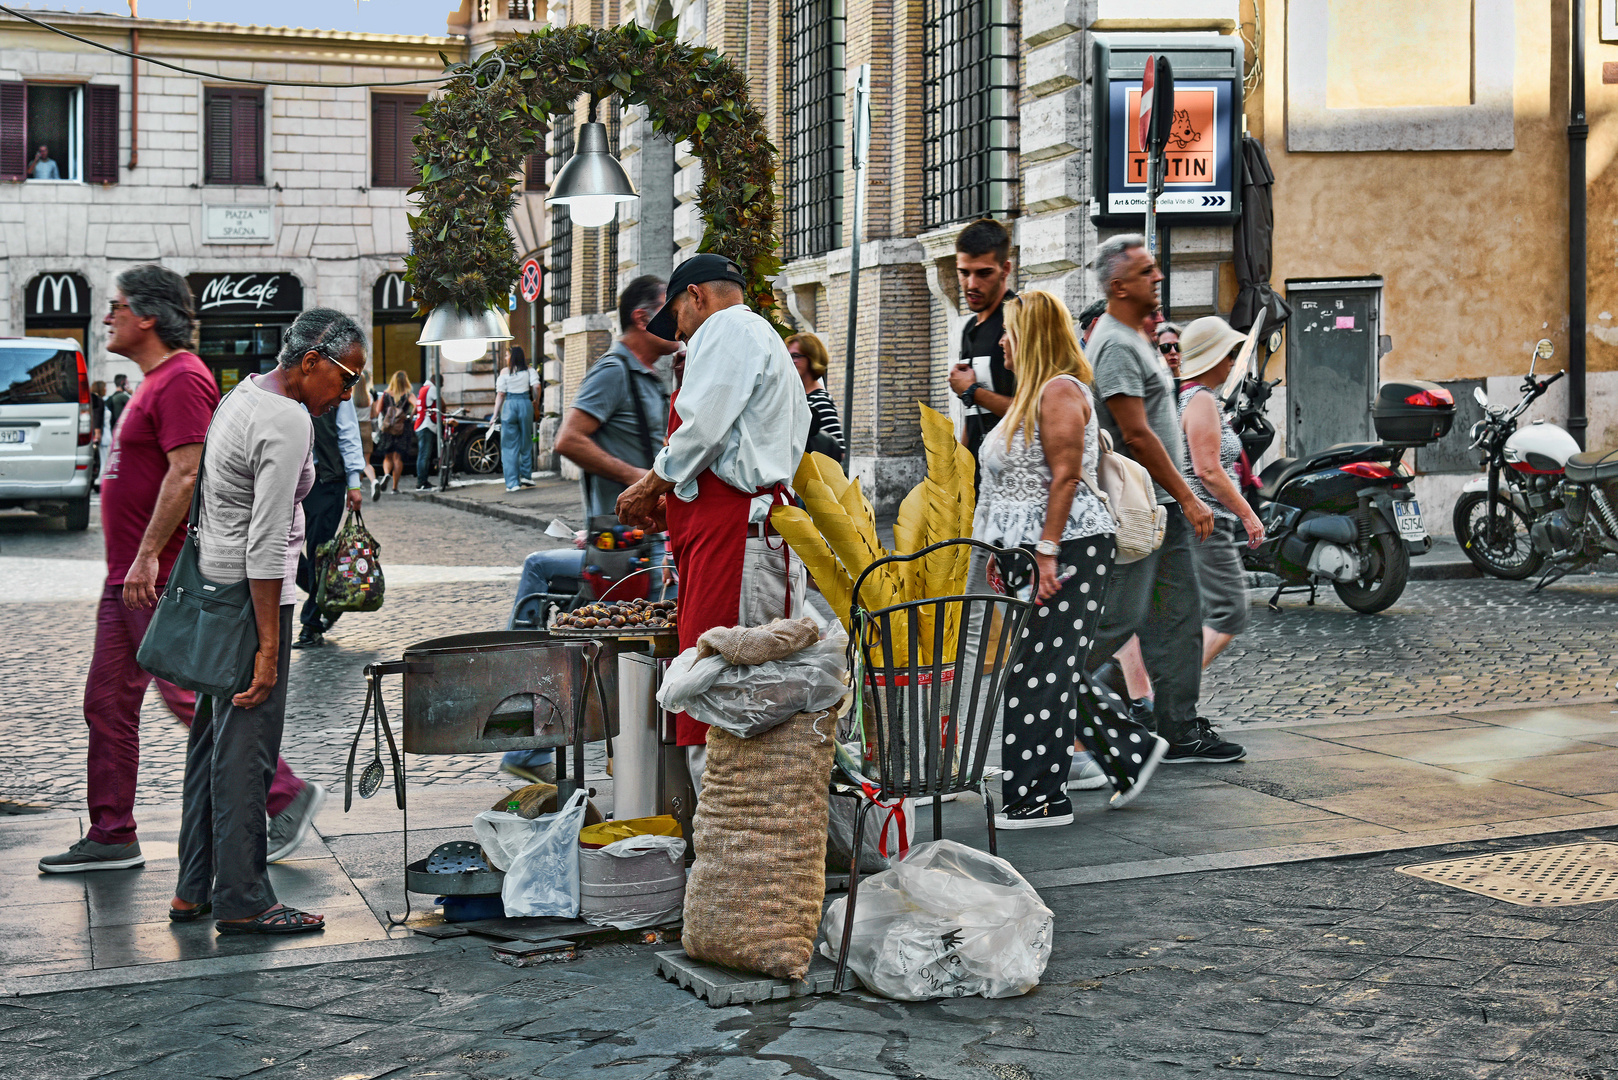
1346,514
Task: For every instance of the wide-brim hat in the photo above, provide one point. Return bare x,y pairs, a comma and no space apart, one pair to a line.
694,271
1205,343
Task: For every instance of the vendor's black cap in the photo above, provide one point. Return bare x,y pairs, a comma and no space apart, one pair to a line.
694,271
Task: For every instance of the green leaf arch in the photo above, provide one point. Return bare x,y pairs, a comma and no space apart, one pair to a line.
475,135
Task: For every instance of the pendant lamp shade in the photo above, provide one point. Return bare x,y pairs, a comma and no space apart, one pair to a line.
461,334
592,183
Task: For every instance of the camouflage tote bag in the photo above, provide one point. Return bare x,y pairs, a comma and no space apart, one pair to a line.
348,573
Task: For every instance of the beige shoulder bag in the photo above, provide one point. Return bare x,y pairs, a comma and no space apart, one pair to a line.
1126,488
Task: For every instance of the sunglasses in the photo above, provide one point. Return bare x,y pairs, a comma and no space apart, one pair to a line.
350,378
1167,347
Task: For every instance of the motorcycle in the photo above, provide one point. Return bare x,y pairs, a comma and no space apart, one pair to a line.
1346,514
1521,483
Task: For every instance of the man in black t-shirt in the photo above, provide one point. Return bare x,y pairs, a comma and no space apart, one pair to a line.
980,379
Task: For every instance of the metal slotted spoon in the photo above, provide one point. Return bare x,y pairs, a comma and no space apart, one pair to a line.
371,775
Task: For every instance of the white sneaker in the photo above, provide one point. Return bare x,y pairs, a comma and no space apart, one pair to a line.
1154,757
1084,773
289,827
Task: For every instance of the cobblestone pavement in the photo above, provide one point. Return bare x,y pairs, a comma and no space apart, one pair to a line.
1327,969
1445,645
47,654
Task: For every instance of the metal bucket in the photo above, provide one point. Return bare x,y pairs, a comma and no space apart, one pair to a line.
643,890
503,690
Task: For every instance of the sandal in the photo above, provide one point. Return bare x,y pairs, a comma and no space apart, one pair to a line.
283,920
189,914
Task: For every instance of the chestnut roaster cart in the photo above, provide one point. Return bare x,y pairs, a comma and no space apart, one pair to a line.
528,690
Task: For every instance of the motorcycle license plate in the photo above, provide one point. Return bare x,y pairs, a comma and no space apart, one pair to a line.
1407,515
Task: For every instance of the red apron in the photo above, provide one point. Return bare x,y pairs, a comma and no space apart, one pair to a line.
708,537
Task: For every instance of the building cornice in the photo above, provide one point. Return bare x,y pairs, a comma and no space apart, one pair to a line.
179,38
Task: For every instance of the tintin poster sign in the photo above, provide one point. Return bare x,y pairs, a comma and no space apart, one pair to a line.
1199,177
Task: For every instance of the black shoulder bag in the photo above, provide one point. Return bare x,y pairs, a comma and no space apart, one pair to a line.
203,634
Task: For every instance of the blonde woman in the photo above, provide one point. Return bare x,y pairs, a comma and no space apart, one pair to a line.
1039,491
395,430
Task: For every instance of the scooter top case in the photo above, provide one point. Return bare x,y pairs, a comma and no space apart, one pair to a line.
1411,412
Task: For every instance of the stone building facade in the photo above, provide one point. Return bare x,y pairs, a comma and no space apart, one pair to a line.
977,107
270,199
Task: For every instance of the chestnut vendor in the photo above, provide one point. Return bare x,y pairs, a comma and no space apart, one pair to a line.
737,428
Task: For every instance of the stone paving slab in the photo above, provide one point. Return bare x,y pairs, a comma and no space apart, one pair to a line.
1321,969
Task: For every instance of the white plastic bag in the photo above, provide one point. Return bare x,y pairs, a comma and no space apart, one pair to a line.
502,835
634,882
945,921
750,699
543,879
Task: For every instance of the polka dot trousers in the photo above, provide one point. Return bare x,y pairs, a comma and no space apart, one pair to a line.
1050,698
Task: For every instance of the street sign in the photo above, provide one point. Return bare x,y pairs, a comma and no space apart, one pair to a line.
1144,115
1199,134
530,280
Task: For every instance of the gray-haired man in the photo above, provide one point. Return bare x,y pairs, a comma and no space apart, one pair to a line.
1156,597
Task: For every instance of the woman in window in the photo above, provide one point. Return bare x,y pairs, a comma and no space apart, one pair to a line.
514,412
395,436
808,354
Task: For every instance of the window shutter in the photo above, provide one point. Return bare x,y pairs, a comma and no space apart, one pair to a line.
537,163
384,142
101,134
13,130
247,138
394,125
404,169
217,137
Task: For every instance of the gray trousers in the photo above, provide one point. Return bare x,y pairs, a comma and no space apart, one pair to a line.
1158,598
229,764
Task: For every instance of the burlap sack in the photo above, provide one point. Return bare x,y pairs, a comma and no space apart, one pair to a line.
775,640
754,895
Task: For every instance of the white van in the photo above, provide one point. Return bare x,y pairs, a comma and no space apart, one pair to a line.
45,428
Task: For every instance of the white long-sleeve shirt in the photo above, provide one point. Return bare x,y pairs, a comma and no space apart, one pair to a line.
742,409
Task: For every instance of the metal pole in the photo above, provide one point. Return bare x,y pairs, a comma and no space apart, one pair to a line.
861,143
1167,258
1578,134
1151,199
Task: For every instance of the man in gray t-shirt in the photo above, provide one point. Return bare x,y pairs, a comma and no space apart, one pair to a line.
1126,365
1156,598
630,406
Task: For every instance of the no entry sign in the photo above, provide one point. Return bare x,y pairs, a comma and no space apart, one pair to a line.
1145,115
530,280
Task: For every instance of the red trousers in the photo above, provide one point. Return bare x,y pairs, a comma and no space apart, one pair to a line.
112,699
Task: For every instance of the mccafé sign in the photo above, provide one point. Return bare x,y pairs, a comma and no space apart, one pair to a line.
252,295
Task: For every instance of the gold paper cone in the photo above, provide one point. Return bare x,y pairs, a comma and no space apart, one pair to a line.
798,529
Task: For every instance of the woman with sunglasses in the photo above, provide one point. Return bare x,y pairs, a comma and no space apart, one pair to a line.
809,356
1211,451
257,466
1168,343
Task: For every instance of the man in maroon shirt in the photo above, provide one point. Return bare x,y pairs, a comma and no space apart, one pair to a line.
145,495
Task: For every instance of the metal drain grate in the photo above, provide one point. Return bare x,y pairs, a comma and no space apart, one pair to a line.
1538,877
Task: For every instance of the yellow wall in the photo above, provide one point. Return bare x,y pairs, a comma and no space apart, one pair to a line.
1369,67
1472,245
